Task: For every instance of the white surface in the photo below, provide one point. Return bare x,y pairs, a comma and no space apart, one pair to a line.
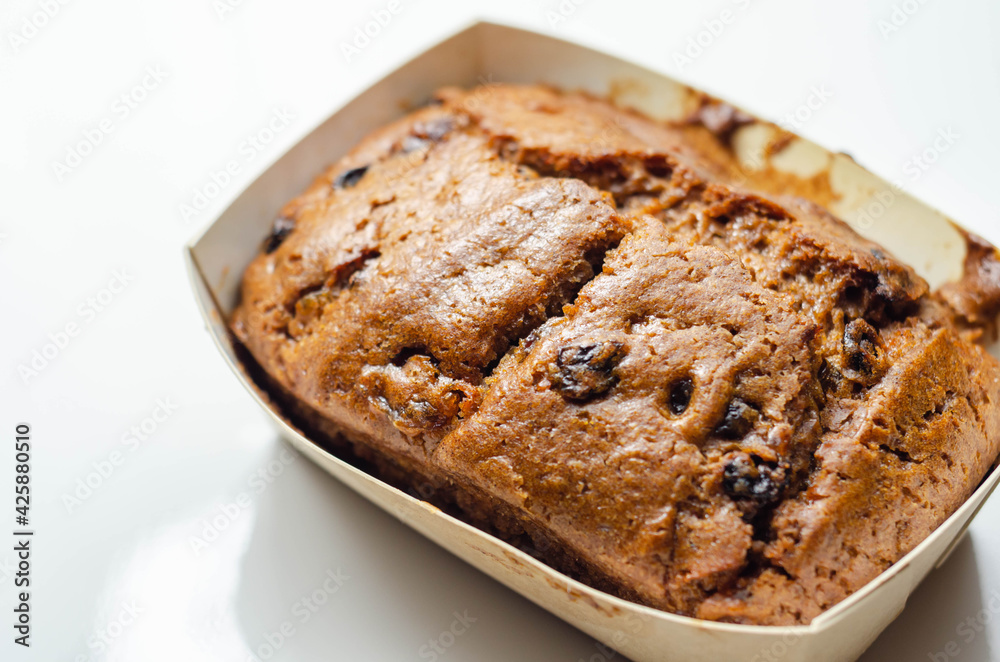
62,241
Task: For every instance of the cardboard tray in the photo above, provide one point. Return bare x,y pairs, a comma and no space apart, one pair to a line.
487,53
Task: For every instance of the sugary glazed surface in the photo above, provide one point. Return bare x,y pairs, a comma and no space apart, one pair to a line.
581,329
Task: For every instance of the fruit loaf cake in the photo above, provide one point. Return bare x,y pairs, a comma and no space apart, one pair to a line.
594,335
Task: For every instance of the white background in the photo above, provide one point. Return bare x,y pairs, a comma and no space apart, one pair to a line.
62,239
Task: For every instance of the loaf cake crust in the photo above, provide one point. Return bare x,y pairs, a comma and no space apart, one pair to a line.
590,333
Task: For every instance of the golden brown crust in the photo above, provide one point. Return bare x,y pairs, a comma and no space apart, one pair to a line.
566,321
976,297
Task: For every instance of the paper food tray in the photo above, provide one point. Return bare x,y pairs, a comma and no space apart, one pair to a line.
488,53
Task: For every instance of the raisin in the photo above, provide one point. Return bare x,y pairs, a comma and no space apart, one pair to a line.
412,144
680,396
350,178
436,129
748,478
425,134
721,119
738,422
829,377
282,227
864,360
586,371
